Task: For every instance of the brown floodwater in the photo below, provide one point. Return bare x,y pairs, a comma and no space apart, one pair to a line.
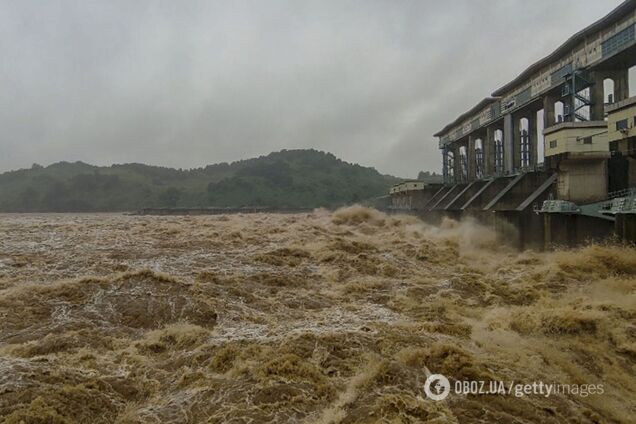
307,318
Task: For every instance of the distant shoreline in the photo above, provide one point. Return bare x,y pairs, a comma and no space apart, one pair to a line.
217,211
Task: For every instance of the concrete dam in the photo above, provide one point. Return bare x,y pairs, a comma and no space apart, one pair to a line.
549,158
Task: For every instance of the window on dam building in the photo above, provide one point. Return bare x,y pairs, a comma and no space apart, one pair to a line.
479,159
450,166
499,152
608,91
525,148
463,164
559,110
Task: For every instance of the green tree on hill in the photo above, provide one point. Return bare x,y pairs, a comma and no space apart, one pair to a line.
285,179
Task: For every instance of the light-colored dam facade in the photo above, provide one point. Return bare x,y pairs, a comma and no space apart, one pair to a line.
549,144
501,135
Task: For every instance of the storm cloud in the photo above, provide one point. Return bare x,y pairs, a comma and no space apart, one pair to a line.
185,84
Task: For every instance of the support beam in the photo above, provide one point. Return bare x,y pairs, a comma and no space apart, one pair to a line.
446,194
538,192
445,166
433,200
621,84
549,118
503,192
597,97
481,190
568,105
489,152
461,193
508,144
516,139
457,164
533,130
470,158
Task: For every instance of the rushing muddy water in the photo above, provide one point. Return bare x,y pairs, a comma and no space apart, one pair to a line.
310,318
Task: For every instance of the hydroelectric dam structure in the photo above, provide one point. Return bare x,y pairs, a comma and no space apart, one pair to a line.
549,158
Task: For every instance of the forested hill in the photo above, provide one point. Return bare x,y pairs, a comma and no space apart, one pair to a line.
285,179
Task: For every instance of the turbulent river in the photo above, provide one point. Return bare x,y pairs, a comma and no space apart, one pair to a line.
307,318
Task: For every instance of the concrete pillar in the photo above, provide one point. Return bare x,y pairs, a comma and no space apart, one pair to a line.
547,233
516,139
457,167
621,84
508,142
597,97
471,158
568,105
631,170
534,138
549,119
582,182
445,165
489,152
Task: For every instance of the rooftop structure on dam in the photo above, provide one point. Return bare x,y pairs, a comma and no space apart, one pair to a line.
563,130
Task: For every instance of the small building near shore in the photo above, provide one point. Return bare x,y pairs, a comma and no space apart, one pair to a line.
411,194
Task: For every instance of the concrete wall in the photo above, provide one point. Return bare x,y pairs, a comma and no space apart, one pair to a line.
572,230
520,229
631,171
528,230
625,227
582,181
413,199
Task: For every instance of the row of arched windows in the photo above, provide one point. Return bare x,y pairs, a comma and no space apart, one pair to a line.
523,125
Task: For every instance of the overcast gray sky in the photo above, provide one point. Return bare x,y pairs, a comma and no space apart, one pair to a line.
189,83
